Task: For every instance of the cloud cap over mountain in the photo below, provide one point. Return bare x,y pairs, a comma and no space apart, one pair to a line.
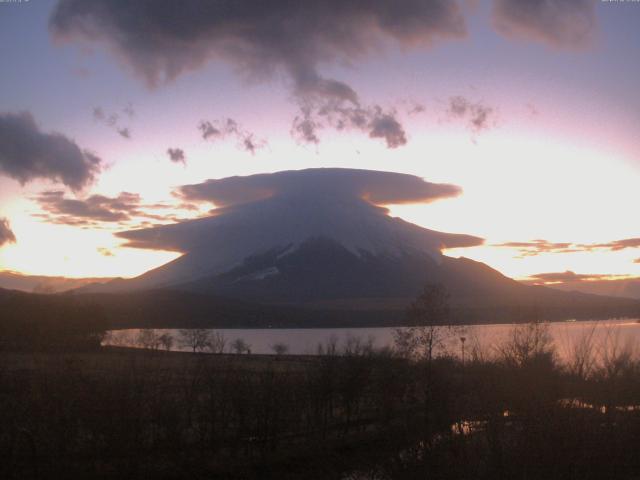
283,210
376,187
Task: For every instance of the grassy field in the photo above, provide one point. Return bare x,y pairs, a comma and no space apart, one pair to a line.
133,413
130,413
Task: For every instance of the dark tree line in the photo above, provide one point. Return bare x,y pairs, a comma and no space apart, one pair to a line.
30,322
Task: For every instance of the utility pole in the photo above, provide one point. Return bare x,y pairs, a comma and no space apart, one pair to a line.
462,340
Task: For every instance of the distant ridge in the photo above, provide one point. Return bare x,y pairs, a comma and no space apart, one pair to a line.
43,283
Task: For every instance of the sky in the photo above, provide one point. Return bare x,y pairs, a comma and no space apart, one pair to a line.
531,108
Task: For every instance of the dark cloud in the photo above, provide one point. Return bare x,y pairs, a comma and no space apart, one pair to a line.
6,234
176,155
537,247
379,188
228,127
27,154
162,40
208,130
124,133
565,24
477,115
97,210
385,125
305,126
100,116
112,120
336,114
251,144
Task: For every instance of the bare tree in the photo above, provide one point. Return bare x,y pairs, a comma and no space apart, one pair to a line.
406,341
581,354
428,328
240,346
330,348
120,338
197,339
615,356
476,350
217,343
149,339
355,346
280,348
166,340
527,341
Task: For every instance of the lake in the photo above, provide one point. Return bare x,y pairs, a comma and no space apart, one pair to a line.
622,333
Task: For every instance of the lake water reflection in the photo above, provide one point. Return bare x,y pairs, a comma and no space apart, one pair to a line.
623,333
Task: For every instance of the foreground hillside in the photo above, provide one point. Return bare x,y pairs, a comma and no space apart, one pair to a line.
365,414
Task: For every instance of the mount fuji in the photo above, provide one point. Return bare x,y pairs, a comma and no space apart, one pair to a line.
263,222
322,238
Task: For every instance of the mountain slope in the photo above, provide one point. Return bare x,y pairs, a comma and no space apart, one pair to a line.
321,283
322,273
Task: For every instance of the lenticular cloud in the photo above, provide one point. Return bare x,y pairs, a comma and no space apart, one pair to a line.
258,213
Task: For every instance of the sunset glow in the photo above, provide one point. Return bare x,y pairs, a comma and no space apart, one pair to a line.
540,135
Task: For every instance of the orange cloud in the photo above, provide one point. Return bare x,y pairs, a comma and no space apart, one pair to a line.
538,247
